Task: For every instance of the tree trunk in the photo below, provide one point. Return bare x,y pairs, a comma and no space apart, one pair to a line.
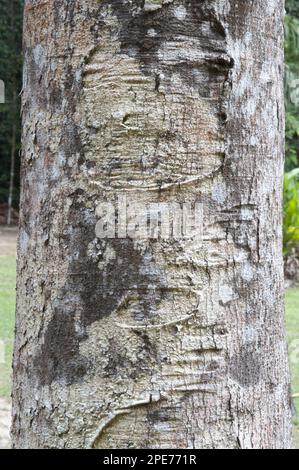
12,172
14,124
151,342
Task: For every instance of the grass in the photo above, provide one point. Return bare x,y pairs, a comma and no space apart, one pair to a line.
292,324
7,313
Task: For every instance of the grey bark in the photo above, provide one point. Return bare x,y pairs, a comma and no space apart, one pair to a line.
151,343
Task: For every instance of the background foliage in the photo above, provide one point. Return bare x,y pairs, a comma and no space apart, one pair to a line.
292,83
291,211
291,179
11,74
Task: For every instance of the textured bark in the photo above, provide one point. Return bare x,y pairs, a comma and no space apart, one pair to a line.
151,343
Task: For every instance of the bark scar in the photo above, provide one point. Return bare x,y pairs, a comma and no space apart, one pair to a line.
153,397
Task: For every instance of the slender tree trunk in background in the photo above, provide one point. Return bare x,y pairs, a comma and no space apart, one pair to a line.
12,173
156,343
14,125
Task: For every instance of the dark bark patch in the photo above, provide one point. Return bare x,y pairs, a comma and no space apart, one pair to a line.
240,11
91,294
156,416
245,368
119,363
136,23
60,358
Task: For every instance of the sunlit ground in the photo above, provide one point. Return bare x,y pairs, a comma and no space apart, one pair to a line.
7,312
292,323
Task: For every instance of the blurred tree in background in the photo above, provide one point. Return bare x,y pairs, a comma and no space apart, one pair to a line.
292,83
291,179
11,13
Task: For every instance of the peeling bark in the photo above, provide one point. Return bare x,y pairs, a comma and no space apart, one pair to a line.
124,343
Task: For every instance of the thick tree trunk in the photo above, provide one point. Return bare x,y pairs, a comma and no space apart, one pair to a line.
151,343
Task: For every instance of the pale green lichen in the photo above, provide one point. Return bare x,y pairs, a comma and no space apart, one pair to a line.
153,5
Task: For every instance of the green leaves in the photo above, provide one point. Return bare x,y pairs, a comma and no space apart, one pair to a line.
292,84
291,212
291,178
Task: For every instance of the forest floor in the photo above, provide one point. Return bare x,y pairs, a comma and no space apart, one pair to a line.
5,411
7,307
8,241
8,238
292,325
